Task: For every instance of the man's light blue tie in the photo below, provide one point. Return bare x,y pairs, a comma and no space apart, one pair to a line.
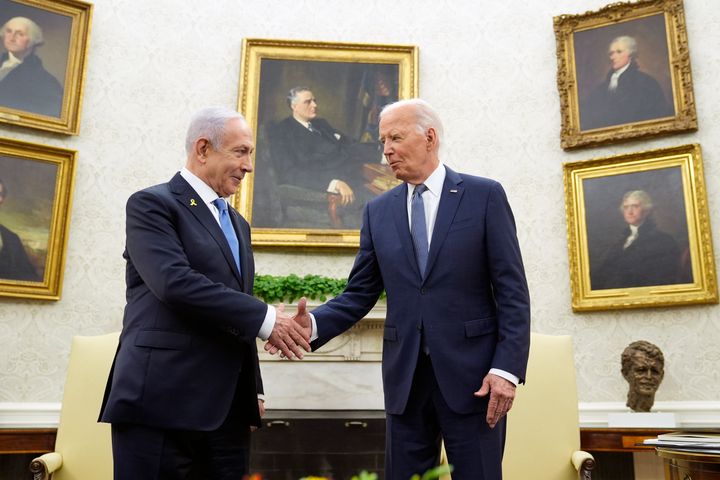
418,227
228,229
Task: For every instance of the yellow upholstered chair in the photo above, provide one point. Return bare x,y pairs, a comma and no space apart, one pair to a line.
543,436
83,448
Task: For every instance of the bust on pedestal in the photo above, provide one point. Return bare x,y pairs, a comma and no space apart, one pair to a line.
643,366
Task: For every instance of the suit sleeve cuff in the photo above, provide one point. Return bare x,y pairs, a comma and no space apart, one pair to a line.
506,375
268,324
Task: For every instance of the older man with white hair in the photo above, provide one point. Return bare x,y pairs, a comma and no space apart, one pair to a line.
24,82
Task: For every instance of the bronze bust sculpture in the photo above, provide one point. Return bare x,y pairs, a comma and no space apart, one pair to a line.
643,367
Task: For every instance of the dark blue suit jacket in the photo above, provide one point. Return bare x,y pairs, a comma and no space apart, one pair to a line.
473,303
188,338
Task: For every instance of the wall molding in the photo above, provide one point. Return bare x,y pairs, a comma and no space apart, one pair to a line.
29,415
688,414
592,414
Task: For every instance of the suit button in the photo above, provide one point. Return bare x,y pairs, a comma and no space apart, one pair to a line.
419,327
423,291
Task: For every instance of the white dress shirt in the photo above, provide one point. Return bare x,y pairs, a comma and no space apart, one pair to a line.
616,76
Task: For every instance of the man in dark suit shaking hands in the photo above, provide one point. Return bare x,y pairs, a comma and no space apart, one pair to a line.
443,246
183,391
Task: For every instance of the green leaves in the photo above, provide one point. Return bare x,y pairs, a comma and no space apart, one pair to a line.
364,475
433,473
274,289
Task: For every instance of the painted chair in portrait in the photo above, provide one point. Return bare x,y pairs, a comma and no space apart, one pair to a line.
83,447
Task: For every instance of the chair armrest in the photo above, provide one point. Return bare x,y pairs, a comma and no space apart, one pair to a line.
584,463
44,465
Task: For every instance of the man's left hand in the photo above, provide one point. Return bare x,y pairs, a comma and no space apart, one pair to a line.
502,394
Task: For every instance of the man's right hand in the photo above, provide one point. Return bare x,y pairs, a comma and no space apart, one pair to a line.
288,336
302,319
347,196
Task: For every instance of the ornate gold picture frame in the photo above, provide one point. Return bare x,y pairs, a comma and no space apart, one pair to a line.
639,231
42,63
36,190
313,107
624,73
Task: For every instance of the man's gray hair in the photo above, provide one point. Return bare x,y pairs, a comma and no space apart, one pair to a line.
209,123
642,196
293,93
425,115
34,30
629,42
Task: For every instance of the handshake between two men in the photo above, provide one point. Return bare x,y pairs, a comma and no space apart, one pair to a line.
291,334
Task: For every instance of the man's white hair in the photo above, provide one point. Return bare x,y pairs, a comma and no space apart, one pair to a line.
629,42
425,115
34,30
641,196
209,123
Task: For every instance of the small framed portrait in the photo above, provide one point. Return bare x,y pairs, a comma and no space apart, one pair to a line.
314,109
42,63
639,230
36,184
624,73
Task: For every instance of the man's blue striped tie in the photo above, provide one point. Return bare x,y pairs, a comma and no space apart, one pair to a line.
228,229
418,227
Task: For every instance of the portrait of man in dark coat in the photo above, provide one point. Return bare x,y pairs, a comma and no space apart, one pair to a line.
25,84
14,261
641,254
626,94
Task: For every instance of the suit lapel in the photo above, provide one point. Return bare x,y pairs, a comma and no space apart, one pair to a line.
399,209
452,192
189,198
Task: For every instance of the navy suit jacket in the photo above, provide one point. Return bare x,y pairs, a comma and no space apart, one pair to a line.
473,303
188,338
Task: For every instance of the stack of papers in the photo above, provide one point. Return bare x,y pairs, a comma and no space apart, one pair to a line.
698,441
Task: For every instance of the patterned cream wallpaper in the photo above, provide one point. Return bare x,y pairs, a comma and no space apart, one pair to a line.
488,67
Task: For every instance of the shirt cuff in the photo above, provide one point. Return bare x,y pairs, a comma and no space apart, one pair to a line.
332,188
506,375
314,334
268,324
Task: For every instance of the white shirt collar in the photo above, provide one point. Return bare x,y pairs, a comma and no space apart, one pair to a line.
616,75
206,193
434,182
302,122
11,61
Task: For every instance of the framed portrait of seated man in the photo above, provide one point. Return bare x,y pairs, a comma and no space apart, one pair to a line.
36,184
623,73
314,107
43,55
639,230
